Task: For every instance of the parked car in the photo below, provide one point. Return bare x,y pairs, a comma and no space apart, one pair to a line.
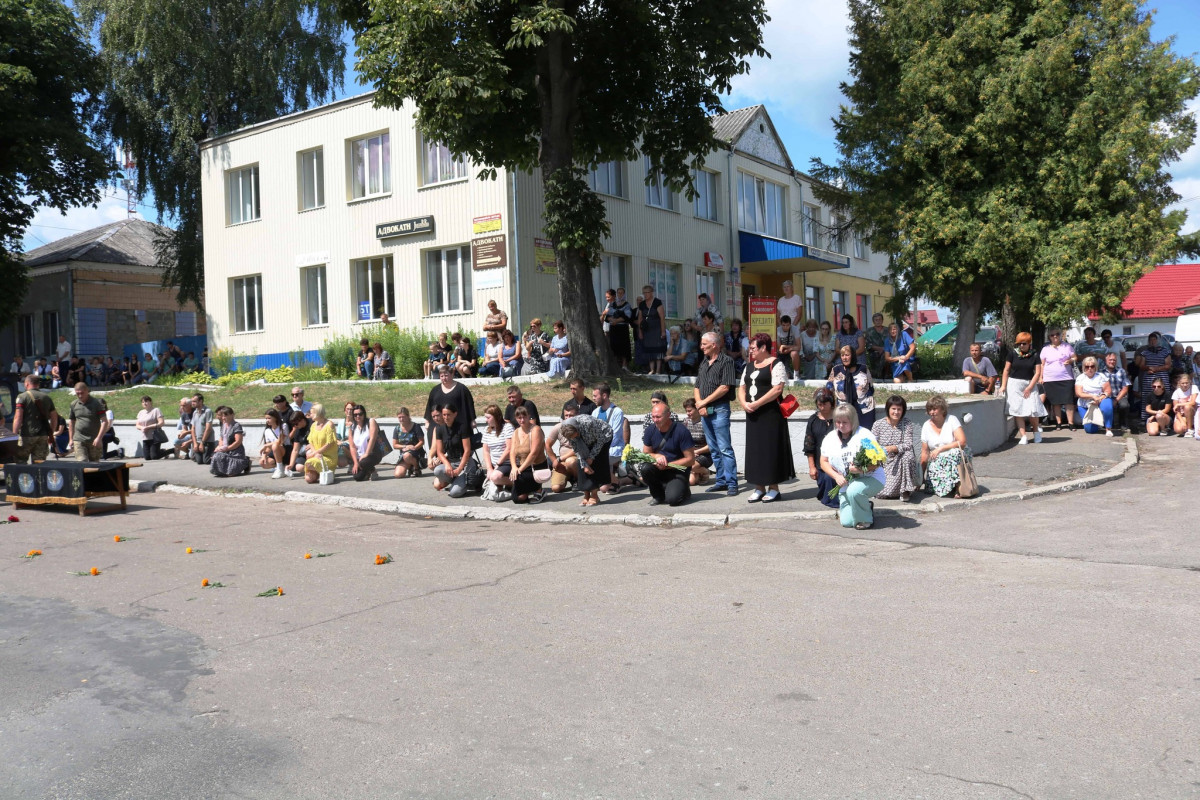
947,333
1134,343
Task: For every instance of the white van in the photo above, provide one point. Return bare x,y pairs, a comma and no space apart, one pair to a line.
1187,330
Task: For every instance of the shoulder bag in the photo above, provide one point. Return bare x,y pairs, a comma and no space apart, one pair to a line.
968,486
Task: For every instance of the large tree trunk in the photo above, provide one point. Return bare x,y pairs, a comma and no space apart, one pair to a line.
968,323
1008,322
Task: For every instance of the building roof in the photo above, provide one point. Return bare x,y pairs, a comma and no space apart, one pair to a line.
1161,292
128,241
730,126
1193,303
924,317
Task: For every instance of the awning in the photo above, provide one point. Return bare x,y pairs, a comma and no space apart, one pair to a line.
766,255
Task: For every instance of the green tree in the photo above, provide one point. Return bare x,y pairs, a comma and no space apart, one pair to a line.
560,85
181,71
1012,150
48,157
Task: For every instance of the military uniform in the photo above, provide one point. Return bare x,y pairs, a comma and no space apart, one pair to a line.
33,437
88,417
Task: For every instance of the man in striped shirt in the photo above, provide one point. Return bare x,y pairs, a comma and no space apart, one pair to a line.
715,386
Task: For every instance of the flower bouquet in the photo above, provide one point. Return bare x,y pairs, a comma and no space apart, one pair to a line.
632,456
869,457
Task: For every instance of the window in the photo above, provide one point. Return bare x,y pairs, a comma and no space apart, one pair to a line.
760,206
709,282
841,302
837,235
316,296
185,323
375,288
863,307
91,332
242,189
371,166
247,304
608,274
448,280
50,332
440,164
1127,330
705,204
860,250
312,179
813,307
608,178
665,280
25,346
657,192
810,218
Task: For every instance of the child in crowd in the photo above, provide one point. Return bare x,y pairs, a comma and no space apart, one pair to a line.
437,357
1183,400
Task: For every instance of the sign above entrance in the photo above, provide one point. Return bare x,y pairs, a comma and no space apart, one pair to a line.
404,227
714,260
489,251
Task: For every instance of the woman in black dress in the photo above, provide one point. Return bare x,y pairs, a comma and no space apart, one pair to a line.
819,426
651,318
768,445
590,438
617,315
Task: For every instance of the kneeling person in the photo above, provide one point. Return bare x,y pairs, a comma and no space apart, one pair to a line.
672,446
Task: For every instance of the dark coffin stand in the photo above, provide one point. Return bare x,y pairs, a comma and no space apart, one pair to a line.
68,483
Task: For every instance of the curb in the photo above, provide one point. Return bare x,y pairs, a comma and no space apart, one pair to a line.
526,514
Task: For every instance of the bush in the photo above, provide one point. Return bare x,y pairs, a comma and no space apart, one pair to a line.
936,362
408,347
222,360
184,378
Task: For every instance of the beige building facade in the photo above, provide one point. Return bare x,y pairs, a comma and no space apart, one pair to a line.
319,222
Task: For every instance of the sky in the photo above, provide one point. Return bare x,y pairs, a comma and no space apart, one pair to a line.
799,85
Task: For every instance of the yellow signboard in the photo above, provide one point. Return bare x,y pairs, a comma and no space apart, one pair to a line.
486,224
545,261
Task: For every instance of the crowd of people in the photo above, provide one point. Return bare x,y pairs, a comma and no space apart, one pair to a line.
65,368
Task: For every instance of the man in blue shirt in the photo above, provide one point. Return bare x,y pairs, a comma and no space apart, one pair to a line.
673,449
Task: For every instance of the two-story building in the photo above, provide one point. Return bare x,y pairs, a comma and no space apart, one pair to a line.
323,220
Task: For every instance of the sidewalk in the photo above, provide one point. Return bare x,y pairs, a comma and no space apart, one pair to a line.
1064,461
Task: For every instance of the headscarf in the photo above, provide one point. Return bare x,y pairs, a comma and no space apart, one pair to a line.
594,435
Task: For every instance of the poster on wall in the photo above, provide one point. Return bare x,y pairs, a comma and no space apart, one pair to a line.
762,317
487,224
545,261
489,251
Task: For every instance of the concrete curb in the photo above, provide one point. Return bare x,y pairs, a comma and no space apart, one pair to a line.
532,514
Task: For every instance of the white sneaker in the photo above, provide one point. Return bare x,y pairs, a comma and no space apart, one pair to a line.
1023,440
287,473
1108,432
1037,437
278,473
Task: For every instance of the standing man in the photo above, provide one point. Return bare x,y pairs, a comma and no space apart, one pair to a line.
1153,362
705,303
615,417
387,324
63,356
714,387
789,305
87,423
298,401
876,339
674,453
34,419
204,438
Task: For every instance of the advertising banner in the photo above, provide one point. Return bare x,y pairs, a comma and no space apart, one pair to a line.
762,318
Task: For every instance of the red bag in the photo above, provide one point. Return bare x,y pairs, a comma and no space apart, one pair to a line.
788,405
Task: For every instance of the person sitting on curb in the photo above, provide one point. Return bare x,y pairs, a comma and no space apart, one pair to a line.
497,438
433,421
409,441
695,425
270,454
453,452
672,446
298,433
183,430
204,435
368,445
527,454
1093,389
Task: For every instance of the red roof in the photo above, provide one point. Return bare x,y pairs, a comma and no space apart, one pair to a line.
929,317
1195,301
1161,292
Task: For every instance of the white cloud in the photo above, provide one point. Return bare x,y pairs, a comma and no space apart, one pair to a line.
50,224
1185,175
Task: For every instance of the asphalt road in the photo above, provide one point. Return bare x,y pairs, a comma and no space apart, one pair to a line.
1046,649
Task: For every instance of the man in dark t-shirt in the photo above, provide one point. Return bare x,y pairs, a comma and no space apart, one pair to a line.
674,449
515,398
579,395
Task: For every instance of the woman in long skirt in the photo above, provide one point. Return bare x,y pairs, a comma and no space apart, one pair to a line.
768,445
229,457
895,434
590,438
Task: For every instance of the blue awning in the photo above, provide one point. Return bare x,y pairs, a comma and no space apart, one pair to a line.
766,254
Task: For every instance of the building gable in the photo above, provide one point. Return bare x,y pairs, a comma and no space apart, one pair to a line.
751,132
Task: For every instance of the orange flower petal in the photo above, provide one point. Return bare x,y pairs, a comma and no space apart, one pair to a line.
204,582
95,570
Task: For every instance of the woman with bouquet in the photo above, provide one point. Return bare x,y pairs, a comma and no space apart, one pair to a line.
852,457
768,444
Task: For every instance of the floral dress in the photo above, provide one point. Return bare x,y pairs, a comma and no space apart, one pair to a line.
902,468
942,470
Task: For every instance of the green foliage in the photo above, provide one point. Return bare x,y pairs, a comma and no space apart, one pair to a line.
408,347
1012,149
222,360
575,216
183,71
48,80
185,378
936,362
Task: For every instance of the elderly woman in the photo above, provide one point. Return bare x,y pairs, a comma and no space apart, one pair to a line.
1022,374
899,351
678,349
768,446
895,434
851,383
534,345
1058,376
819,426
1093,389
320,449
590,438
229,457
943,447
559,350
855,488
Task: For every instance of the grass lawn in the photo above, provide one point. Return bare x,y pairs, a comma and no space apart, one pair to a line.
631,393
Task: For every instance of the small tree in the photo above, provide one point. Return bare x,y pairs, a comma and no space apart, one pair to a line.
48,158
561,85
1012,150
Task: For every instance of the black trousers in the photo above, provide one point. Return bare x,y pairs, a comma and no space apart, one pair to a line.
1121,412
367,464
668,486
152,449
203,454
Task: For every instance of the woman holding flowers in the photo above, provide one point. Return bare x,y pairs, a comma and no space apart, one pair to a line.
943,447
768,445
852,457
590,438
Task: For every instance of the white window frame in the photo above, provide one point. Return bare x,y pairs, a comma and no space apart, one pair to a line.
374,179
455,286
608,179
761,206
320,273
705,204
810,218
814,305
439,165
387,280
710,281
665,277
238,208
239,298
837,235
610,273
658,194
310,172
860,250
